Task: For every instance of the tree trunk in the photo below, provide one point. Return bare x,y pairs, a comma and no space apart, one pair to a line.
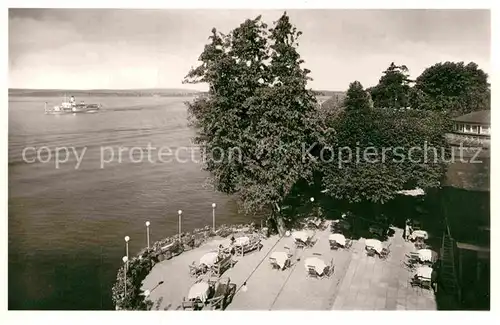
280,223
278,220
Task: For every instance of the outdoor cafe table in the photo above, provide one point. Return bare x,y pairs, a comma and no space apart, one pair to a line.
339,238
427,255
280,257
209,259
375,244
424,272
419,234
240,241
318,264
199,290
302,235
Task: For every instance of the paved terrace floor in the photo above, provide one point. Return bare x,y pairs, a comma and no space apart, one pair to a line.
359,282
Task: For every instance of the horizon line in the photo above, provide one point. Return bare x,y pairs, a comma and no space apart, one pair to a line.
164,88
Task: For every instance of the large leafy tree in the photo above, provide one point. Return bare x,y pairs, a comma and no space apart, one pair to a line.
393,88
258,106
452,87
375,158
347,177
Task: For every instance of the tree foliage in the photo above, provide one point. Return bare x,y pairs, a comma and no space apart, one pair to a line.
374,151
451,87
258,106
393,88
258,117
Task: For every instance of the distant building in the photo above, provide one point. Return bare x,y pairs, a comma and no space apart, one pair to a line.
476,124
470,141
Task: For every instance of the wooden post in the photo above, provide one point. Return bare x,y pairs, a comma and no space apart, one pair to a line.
460,265
460,260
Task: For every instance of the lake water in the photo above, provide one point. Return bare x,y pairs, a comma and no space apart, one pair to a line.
66,226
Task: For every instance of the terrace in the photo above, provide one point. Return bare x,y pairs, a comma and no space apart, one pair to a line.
358,281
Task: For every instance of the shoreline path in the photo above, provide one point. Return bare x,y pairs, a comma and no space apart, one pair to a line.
359,282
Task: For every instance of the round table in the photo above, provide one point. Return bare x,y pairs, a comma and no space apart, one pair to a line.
375,244
240,241
302,235
209,259
339,238
280,257
199,290
318,264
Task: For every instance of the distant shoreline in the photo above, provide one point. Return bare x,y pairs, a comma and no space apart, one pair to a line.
16,92
160,92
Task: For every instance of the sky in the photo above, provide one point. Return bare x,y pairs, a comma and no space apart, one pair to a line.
127,48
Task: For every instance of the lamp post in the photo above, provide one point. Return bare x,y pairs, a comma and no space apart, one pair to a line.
180,215
312,202
213,215
127,238
147,231
125,261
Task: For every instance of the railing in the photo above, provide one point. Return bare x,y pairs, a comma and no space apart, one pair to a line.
448,268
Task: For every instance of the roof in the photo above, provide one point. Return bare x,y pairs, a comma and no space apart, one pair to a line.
480,117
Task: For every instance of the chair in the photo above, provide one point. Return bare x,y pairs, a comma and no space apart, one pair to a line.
409,266
195,271
223,296
428,263
415,281
299,243
225,251
413,257
384,253
334,245
412,260
419,243
310,242
251,246
212,281
329,270
311,271
194,304
312,225
426,283
222,265
423,283
370,251
189,304
274,263
348,243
